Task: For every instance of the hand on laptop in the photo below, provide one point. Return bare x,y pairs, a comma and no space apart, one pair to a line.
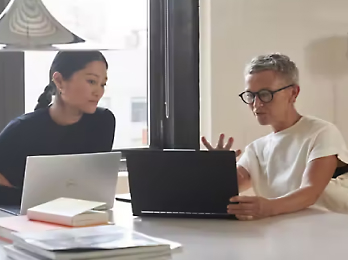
221,144
250,207
4,181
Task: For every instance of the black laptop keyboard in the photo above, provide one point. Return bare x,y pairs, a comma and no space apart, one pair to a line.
188,214
177,213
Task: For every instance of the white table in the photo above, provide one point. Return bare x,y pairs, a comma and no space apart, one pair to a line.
311,234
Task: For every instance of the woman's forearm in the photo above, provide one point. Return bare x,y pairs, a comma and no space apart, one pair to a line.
294,201
244,180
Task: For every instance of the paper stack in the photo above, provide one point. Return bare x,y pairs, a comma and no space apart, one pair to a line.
99,242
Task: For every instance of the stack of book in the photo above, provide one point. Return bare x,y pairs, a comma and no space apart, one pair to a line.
61,213
99,242
70,229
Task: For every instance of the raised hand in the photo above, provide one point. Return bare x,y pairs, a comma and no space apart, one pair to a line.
221,145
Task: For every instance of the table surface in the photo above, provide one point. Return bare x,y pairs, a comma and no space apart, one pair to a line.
309,234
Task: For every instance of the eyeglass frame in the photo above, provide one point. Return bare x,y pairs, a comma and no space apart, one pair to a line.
272,92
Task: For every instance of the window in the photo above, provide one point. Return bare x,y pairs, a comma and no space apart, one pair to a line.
139,111
156,61
105,102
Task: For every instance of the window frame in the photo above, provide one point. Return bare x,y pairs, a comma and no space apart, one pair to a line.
174,93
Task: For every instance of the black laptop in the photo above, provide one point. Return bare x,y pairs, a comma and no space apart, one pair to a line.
10,200
179,183
13,209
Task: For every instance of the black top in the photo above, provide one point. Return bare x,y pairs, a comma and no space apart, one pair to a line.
37,134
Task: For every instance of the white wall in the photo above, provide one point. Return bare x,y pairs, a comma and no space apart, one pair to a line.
312,32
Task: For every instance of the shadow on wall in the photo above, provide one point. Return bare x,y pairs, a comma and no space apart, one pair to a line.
327,57
327,63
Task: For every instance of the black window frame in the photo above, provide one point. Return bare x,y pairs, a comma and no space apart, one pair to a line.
173,89
180,45
174,93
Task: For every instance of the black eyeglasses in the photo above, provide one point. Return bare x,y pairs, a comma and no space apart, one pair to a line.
264,95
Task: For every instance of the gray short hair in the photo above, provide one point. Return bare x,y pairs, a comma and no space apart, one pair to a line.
277,62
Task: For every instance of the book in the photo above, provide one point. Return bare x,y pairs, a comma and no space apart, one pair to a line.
91,242
9,225
16,253
70,212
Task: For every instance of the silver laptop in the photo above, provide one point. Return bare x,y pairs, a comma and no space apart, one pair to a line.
81,176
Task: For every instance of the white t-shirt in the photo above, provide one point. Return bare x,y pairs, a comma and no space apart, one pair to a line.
276,162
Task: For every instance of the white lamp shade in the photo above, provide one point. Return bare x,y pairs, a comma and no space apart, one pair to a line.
27,24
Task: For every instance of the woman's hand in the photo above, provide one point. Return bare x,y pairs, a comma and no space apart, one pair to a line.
4,181
250,208
221,145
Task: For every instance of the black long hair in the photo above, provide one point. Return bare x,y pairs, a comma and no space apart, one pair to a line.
67,63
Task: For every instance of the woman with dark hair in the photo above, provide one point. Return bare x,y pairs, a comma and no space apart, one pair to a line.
72,124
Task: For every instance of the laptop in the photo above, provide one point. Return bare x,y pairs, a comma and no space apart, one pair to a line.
82,176
179,183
